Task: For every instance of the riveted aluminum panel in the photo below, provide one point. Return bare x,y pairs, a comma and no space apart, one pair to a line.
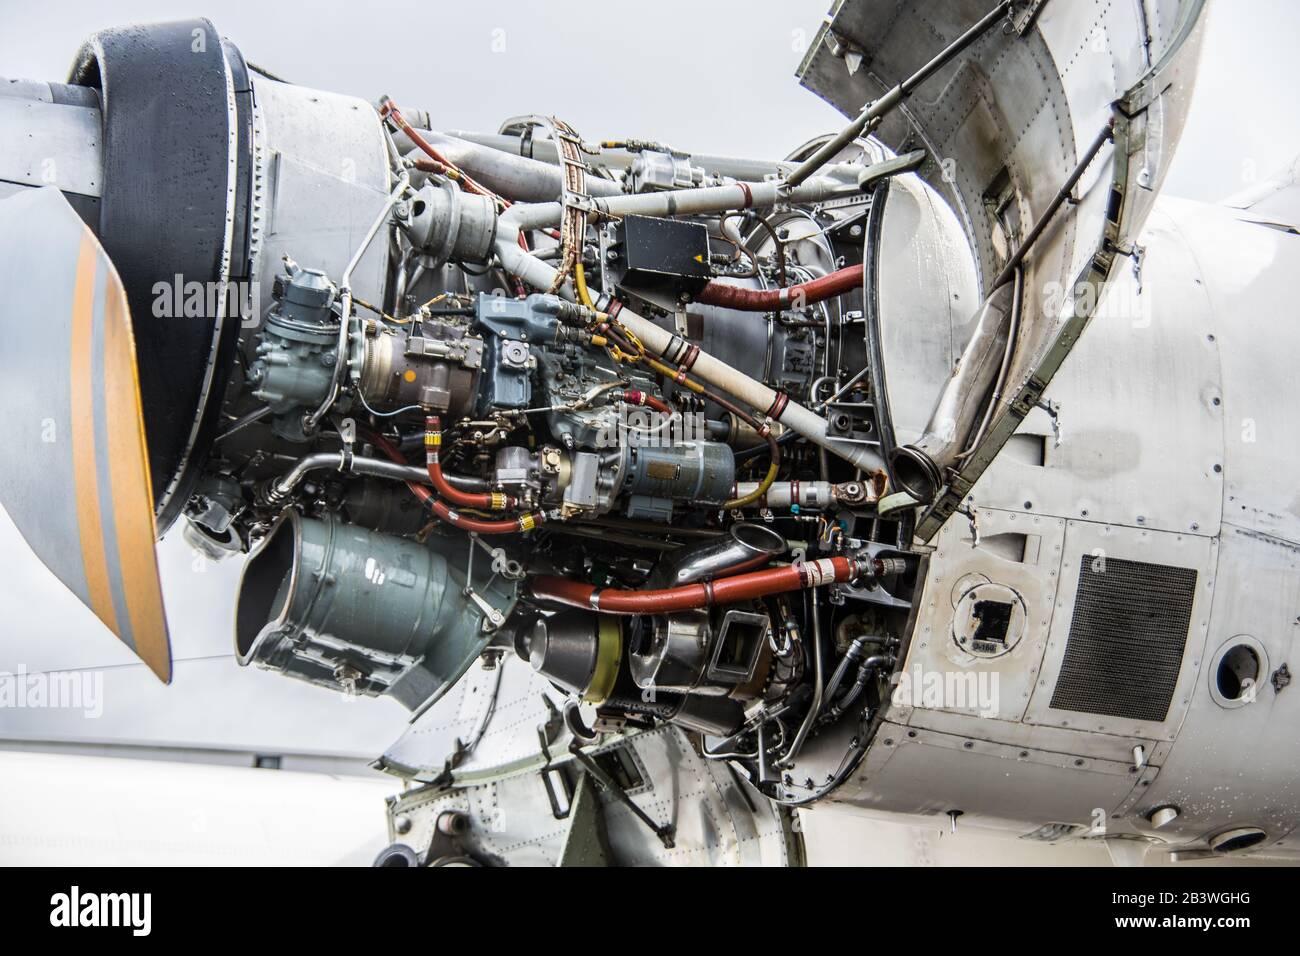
1249,271
1140,403
720,819
913,773
1240,765
61,145
1019,552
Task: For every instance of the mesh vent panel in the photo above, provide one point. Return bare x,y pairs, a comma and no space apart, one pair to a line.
1126,639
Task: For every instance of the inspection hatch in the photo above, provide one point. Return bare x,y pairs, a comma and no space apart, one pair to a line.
989,620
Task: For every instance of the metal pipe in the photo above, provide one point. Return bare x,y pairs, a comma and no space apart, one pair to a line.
514,177
311,420
1000,382
543,150
251,418
873,112
714,199
918,468
783,494
360,465
343,462
744,547
809,494
818,679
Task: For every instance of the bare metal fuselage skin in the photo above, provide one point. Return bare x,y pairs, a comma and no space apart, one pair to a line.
1166,447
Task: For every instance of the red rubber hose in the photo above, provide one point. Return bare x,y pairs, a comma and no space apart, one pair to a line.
524,522
729,590
488,501
635,396
767,300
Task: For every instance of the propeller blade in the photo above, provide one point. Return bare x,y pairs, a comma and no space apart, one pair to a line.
74,471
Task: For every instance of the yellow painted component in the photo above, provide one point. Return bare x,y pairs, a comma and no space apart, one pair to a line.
609,655
89,520
133,562
132,499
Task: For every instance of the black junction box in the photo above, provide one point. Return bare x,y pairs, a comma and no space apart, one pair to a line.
659,255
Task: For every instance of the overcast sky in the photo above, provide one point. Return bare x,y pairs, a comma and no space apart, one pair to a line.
705,76
712,76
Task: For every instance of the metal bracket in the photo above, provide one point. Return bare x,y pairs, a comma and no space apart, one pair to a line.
492,617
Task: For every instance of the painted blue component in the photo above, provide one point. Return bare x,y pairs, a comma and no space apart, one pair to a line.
511,327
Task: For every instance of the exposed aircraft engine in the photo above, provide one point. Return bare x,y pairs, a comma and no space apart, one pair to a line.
453,399
691,441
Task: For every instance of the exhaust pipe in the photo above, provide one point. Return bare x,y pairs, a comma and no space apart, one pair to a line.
361,611
744,547
919,468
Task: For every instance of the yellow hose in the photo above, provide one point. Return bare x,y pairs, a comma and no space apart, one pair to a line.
580,279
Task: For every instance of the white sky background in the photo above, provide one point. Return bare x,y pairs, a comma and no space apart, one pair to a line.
711,77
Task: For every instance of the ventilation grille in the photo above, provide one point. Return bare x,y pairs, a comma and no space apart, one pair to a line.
1126,639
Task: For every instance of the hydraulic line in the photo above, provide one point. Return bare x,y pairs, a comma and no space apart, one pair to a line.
490,501
525,522
769,300
866,670
728,590
633,396
580,280
389,109
814,494
819,687
778,244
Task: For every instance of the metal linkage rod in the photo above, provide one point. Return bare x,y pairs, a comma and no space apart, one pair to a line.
1062,194
873,112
